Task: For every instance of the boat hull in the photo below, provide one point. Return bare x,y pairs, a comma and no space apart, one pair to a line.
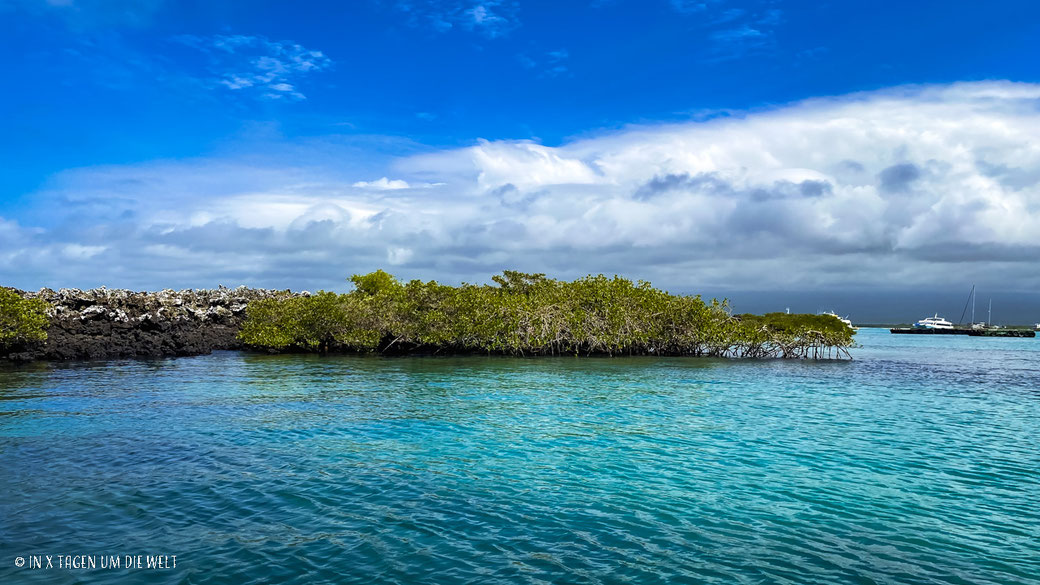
921,330
1003,333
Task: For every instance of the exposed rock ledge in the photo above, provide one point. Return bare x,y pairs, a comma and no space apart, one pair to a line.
113,323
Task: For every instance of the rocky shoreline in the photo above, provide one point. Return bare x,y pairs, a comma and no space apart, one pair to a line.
115,323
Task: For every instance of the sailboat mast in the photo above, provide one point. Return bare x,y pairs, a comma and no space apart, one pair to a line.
971,300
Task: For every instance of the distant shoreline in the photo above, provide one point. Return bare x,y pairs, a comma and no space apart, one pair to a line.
893,325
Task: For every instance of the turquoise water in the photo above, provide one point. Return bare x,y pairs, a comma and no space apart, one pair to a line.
918,462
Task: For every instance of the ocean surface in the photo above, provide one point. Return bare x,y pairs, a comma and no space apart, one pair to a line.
917,462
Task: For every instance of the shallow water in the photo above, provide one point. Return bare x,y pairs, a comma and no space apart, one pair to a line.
918,462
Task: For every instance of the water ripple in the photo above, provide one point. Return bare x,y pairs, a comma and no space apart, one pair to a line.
915,463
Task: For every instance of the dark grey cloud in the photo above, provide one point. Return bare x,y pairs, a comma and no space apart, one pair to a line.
702,182
711,183
510,196
1013,177
815,188
791,190
963,252
852,166
898,178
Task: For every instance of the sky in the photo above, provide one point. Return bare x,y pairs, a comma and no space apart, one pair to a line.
876,157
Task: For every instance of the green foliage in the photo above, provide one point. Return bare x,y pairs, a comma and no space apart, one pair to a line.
799,335
518,282
374,283
317,322
22,321
530,314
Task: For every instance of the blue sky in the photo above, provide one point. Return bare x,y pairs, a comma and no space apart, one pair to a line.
133,133
102,82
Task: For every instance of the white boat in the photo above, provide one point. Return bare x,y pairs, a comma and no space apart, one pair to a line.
846,320
935,322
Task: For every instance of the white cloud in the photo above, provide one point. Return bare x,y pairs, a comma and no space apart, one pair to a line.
527,165
915,186
257,64
396,256
383,184
76,251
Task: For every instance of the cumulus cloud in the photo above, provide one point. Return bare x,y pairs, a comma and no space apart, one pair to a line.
914,186
383,184
257,65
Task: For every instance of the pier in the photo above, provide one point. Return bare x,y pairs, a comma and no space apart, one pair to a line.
974,332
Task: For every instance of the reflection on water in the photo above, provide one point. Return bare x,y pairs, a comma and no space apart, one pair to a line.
916,462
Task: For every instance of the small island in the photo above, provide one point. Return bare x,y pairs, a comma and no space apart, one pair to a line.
521,314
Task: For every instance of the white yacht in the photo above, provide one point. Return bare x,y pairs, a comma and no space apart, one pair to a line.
935,322
846,320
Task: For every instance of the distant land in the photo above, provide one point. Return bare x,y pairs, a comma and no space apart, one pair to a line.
862,305
889,307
